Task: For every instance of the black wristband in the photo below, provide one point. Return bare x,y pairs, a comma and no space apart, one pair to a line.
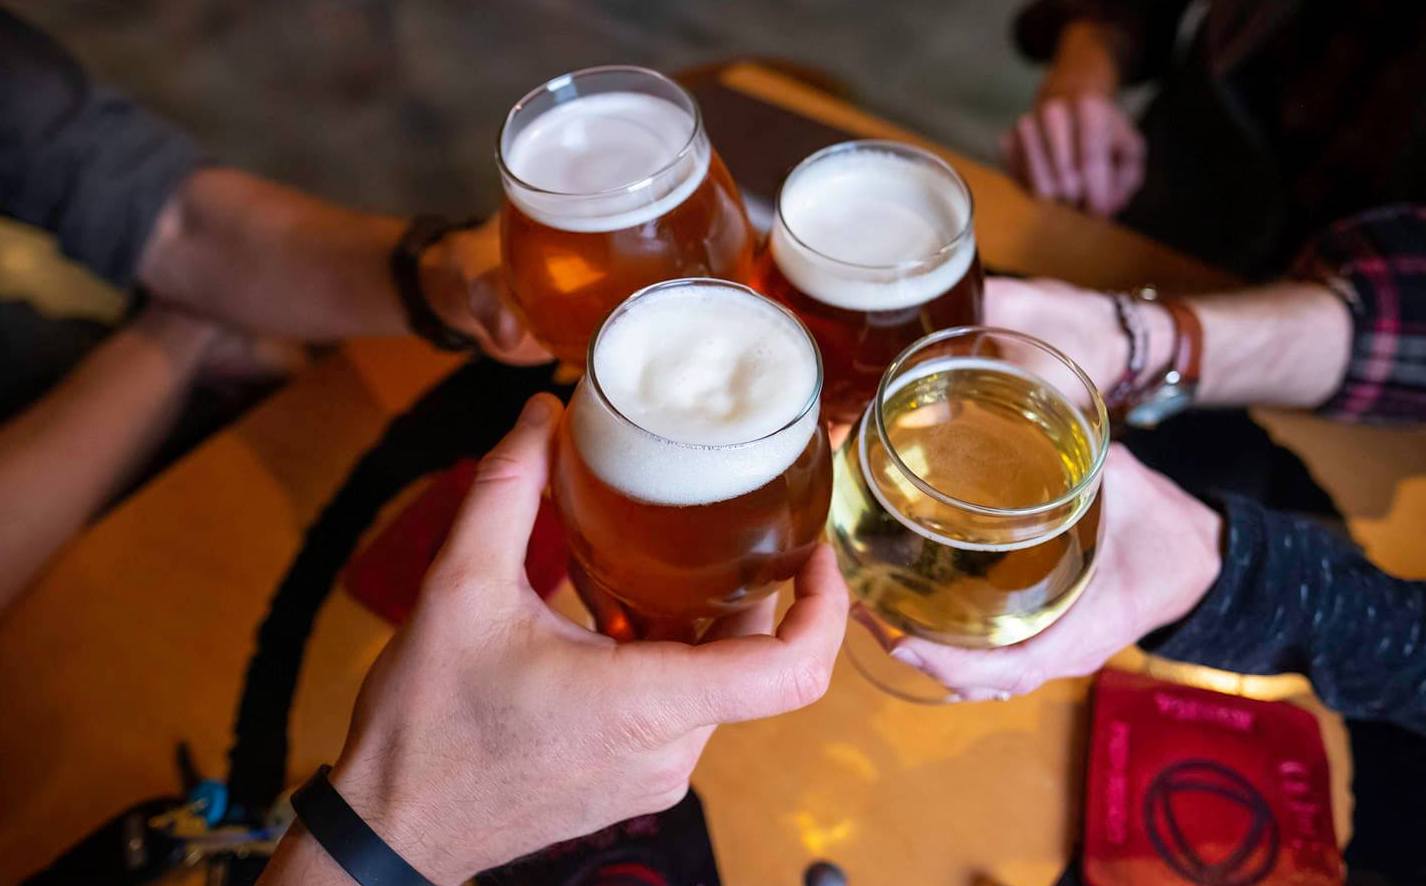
347,839
406,273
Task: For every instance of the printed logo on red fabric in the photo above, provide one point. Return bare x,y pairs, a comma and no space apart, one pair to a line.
1198,787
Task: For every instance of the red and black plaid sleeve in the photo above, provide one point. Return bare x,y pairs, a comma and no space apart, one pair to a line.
1377,262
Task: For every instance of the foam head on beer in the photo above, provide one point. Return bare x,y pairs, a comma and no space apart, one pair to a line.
713,393
866,228
605,161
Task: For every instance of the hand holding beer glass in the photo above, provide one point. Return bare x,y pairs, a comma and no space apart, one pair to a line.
611,185
873,247
965,508
693,471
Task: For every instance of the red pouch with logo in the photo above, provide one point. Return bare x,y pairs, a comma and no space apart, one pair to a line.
1192,786
386,575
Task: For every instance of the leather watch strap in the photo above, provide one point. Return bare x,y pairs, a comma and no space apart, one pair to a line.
347,839
1187,363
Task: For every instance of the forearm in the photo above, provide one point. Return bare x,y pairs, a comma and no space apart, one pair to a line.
268,259
1293,597
65,456
1285,344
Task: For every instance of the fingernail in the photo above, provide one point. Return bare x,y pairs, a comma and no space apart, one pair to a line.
507,330
487,312
908,657
537,412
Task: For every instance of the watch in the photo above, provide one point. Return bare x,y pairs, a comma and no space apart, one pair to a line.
422,231
1174,391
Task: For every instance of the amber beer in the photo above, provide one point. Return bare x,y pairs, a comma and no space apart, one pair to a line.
692,471
611,185
873,247
966,503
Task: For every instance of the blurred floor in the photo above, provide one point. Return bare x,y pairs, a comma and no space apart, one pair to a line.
396,105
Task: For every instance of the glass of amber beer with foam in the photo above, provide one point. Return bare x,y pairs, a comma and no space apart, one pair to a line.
965,507
692,472
610,185
873,246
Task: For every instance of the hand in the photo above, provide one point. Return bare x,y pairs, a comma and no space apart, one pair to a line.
1076,145
472,297
1079,322
490,726
1158,556
1082,150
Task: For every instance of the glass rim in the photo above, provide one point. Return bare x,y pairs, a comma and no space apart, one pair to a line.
1101,435
592,376
905,149
555,83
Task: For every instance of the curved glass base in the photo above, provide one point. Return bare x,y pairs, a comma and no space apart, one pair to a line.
872,660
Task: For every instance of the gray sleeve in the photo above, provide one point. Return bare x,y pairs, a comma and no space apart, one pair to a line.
80,161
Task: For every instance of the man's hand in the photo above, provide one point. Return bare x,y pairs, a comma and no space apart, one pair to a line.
474,298
1158,556
1080,322
491,726
1075,145
269,260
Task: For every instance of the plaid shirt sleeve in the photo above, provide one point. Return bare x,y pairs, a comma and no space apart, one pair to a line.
1376,262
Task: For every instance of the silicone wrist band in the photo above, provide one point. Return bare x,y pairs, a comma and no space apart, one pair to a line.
347,839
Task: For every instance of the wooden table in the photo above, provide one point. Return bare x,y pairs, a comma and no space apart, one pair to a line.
138,635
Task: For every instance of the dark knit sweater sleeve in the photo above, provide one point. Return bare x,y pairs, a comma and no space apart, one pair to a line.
1294,597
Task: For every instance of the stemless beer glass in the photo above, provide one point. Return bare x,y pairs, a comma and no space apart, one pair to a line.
965,507
692,472
873,247
610,185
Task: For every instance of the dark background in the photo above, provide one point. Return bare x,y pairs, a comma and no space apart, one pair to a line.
395,105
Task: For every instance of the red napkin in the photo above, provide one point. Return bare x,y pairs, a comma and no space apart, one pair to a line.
1192,786
386,575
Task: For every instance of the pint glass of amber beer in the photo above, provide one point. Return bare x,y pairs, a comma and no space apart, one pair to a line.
692,471
873,247
610,186
966,500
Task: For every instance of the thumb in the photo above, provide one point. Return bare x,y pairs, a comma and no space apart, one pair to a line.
485,296
746,678
493,529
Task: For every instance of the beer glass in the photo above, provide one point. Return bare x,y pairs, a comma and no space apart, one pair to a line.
692,471
610,185
965,507
873,247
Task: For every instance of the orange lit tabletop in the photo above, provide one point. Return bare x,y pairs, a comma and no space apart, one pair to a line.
140,633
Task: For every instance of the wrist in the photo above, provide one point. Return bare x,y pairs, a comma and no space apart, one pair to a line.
1085,62
1202,542
183,339
1158,340
409,822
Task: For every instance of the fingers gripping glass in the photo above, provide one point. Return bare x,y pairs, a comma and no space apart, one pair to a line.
966,499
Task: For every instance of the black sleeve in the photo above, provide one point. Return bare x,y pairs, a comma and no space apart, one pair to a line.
1146,30
89,165
1294,597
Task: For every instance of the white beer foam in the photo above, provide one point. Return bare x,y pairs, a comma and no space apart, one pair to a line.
582,152
871,209
712,380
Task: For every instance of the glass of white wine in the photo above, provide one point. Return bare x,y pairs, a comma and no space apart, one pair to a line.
965,502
